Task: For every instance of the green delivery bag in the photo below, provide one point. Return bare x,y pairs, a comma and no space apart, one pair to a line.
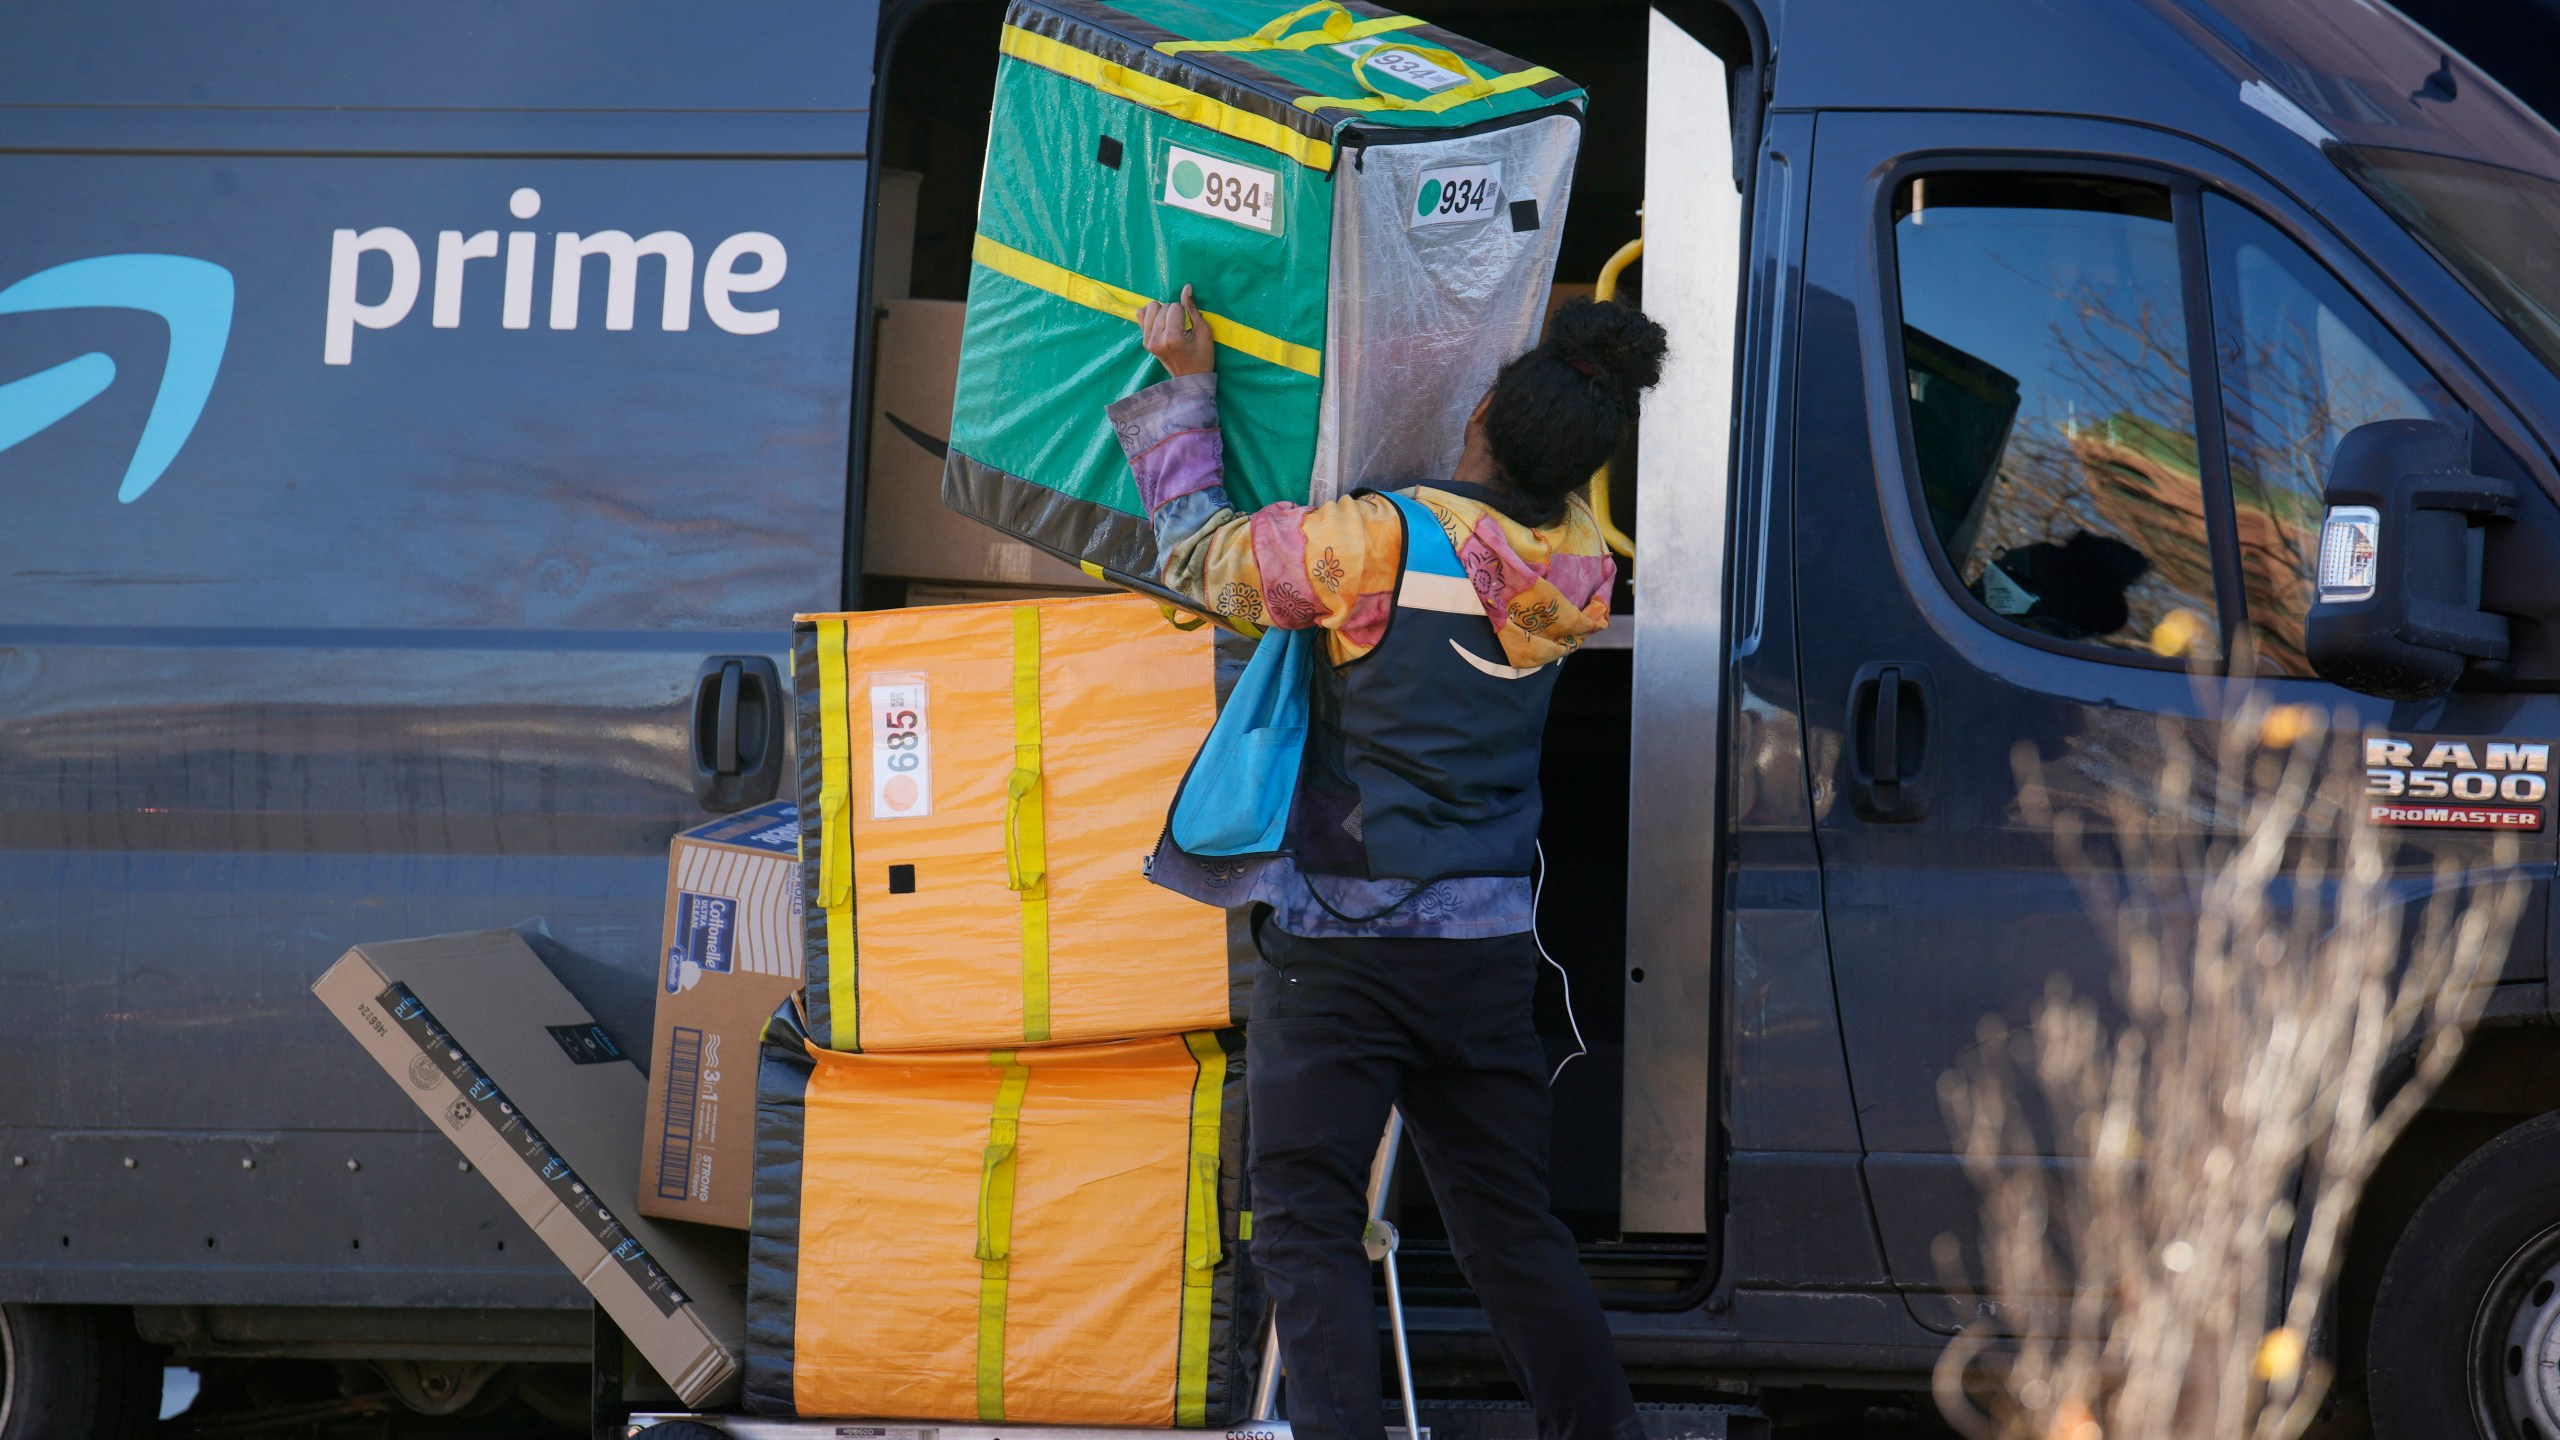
1367,208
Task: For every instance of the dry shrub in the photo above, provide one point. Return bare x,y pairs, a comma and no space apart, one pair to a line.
2266,982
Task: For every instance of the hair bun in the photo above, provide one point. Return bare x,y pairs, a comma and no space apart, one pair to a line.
1616,341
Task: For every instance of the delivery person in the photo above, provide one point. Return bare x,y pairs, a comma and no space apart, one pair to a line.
1396,920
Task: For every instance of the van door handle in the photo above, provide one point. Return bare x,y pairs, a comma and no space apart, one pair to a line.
1886,786
737,732
724,744
1889,718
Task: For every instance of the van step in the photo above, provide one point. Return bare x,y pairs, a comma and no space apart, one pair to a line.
1441,1420
685,1425
1512,1420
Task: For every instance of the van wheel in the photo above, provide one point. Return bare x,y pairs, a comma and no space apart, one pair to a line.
2467,1318
74,1372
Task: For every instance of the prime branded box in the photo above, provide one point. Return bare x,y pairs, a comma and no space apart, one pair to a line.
478,1033
731,954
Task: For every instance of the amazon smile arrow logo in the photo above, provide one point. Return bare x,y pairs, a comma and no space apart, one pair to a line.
193,296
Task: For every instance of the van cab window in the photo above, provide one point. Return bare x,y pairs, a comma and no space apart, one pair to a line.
2490,223
2052,413
2301,364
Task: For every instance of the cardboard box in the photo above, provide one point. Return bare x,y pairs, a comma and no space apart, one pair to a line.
906,529
484,1040
732,946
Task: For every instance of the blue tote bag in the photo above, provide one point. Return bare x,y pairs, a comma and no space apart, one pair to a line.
1236,799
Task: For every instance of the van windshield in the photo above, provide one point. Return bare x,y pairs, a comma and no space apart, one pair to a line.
2493,225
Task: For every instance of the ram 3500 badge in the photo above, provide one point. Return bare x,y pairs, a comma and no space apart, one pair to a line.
2456,784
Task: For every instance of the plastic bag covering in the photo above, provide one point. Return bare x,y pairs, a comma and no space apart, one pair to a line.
1424,314
1153,143
1033,1236
1235,800
981,883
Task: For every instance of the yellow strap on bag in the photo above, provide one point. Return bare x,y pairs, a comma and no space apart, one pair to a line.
1201,1249
835,840
1093,294
1189,106
1338,27
1026,841
995,1229
835,764
1476,87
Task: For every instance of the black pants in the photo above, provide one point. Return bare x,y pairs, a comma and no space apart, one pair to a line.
1341,1031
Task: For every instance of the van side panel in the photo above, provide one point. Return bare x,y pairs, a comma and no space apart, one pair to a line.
398,635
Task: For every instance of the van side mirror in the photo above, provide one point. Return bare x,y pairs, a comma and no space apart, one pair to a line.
2397,613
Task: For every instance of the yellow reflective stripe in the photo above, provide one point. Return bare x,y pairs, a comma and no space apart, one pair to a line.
835,841
1026,840
1201,1250
1093,294
995,1229
1189,106
1449,99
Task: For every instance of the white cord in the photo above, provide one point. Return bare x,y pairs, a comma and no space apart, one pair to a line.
1537,892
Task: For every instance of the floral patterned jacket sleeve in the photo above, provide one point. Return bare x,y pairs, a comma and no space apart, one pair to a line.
1291,566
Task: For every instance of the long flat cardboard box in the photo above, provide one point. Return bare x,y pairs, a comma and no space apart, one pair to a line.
477,1032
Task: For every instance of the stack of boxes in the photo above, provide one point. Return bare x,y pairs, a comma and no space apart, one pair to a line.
1000,1140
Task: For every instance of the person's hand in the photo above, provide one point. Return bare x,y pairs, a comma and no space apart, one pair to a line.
1177,335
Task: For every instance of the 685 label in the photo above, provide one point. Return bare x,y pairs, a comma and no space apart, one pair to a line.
901,748
1456,194
1209,185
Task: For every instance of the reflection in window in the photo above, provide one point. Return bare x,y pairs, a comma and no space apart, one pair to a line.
2302,364
2046,354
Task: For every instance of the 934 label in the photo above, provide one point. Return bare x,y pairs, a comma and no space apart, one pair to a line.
901,748
1384,56
1456,195
1208,185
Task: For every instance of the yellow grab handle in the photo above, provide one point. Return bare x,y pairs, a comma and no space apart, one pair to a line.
1201,1250
1337,26
1606,288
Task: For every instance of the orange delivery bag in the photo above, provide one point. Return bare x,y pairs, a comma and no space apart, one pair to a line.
1049,1235
980,788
